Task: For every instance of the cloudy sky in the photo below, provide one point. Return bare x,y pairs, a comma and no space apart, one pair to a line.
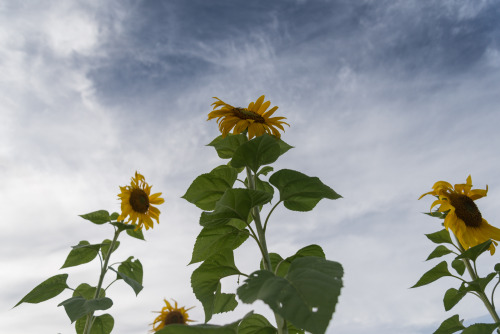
383,97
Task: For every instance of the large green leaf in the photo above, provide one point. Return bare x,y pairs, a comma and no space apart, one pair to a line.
82,253
452,297
262,150
225,147
206,278
450,325
300,192
440,270
106,244
459,266
97,217
208,188
88,292
280,266
440,237
224,302
256,324
102,324
46,290
235,203
438,252
136,234
131,272
306,296
77,307
211,241
473,252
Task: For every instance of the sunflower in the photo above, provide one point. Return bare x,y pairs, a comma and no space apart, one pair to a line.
171,315
255,118
463,216
137,203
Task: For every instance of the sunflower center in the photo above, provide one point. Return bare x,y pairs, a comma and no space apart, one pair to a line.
174,317
466,210
139,200
247,114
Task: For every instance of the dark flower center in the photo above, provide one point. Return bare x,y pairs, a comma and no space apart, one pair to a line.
174,317
466,210
243,113
139,200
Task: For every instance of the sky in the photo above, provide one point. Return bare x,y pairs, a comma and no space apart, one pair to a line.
383,99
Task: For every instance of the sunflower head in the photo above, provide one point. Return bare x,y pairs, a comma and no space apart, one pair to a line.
137,203
170,315
256,118
463,216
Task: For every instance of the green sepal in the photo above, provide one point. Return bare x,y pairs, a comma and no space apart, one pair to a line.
235,203
440,237
211,241
208,188
77,307
82,253
300,192
46,290
97,217
264,171
306,296
261,150
88,292
106,244
256,324
225,147
280,266
136,233
452,297
437,214
459,266
450,325
131,272
474,252
438,252
206,278
102,324
481,328
440,270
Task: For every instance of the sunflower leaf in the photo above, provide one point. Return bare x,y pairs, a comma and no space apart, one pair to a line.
438,252
459,266
46,290
82,253
479,285
102,324
123,227
206,278
224,302
280,266
106,244
211,241
136,234
77,307
265,170
481,328
440,237
235,203
474,252
440,270
300,192
208,188
225,147
97,217
256,324
88,292
306,296
231,328
450,325
452,297
261,150
131,272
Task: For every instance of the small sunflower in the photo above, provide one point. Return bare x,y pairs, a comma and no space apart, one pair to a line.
464,217
171,315
137,203
255,118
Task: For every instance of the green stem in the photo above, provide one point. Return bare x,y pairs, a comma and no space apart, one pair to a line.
481,294
280,322
104,269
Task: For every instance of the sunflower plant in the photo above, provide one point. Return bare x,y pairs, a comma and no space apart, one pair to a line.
137,212
238,199
466,236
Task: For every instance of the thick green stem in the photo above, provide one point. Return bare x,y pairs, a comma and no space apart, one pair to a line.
280,322
104,269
